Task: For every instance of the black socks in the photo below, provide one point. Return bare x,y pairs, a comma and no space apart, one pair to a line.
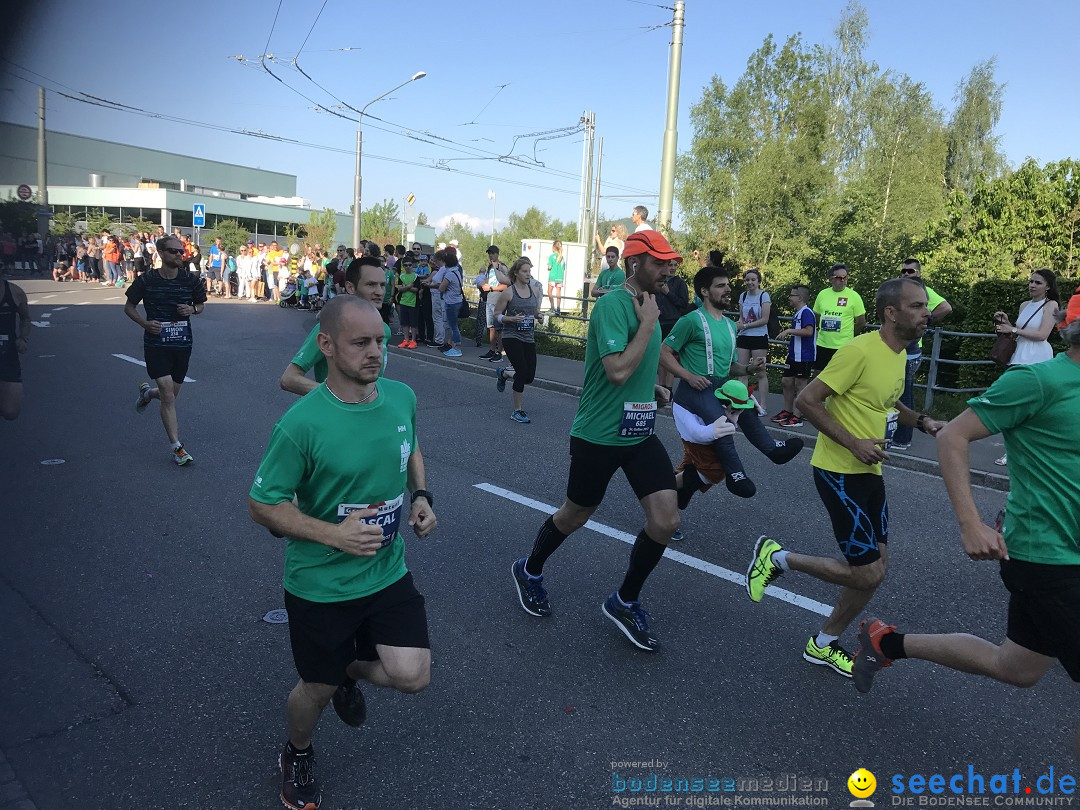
548,539
892,645
643,559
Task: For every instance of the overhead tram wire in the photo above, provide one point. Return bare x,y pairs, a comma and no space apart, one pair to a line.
86,98
317,16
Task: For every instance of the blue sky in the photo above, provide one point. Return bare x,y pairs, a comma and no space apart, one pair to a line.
557,59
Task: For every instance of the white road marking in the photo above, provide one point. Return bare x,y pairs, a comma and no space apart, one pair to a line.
46,315
83,303
33,301
734,577
56,309
141,363
51,295
40,324
115,298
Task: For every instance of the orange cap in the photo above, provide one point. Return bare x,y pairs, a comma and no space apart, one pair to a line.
651,242
1073,311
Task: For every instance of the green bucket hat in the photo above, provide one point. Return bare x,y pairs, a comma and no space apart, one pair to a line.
734,393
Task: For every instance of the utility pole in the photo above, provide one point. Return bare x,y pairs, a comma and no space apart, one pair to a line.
596,198
585,231
42,171
671,134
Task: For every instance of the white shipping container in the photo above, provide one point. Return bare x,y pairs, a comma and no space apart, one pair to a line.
577,261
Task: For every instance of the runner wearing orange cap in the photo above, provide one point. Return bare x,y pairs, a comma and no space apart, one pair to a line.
613,430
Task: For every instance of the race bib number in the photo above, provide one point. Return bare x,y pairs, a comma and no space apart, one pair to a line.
892,419
387,516
175,331
830,324
526,324
638,419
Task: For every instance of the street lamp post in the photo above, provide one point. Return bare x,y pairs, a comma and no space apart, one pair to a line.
357,182
491,196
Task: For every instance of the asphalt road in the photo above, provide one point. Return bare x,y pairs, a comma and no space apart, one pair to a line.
139,673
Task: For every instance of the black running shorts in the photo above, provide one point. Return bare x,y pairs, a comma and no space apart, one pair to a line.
823,356
10,368
798,370
859,512
1044,610
162,362
328,636
645,464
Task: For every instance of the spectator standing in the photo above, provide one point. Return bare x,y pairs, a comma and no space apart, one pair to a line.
640,218
406,287
612,276
841,315
801,352
438,309
755,306
425,328
556,269
452,290
1036,319
493,280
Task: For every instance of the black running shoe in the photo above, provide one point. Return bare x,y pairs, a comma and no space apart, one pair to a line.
530,590
349,704
299,787
633,620
785,451
488,355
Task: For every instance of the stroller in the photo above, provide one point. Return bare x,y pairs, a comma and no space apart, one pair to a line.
289,296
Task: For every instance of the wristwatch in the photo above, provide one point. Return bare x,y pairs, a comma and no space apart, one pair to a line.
422,493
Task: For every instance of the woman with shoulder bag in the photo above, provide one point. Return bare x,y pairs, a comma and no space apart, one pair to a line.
1036,319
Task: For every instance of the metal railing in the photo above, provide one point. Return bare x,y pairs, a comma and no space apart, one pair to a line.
930,387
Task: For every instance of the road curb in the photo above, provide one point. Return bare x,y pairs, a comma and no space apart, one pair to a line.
898,460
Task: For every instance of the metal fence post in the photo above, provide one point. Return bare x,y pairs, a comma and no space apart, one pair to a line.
931,377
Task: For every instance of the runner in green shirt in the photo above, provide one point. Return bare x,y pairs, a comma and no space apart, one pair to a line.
611,277
349,455
703,361
1036,540
613,430
365,278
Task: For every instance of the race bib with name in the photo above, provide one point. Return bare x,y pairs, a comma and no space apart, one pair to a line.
526,324
175,332
387,517
829,324
892,419
638,419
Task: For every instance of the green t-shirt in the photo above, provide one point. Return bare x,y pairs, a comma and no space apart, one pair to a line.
867,377
408,297
310,357
336,458
608,413
836,313
556,269
687,337
610,279
1037,410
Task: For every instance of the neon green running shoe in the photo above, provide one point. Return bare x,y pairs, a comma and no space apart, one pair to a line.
831,655
762,570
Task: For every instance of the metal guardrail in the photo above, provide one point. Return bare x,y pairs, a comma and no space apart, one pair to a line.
931,386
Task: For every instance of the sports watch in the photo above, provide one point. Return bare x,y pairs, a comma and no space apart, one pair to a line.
422,493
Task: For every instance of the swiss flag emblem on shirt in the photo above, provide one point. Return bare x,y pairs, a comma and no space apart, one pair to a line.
841,302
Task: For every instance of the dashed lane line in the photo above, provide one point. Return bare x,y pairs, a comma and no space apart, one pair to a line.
734,577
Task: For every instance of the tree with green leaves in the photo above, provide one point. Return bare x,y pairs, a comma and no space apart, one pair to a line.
232,234
322,228
974,149
63,223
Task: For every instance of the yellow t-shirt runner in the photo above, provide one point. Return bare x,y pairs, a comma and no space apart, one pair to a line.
836,313
868,378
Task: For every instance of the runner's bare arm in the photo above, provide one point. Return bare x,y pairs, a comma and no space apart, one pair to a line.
981,542
350,536
295,380
421,516
620,366
811,403
670,363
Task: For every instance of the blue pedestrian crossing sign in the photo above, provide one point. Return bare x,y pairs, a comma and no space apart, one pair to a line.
198,215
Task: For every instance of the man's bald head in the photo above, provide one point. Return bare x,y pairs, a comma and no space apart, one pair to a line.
339,308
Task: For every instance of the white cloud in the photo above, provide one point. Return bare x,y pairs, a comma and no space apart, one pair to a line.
473,223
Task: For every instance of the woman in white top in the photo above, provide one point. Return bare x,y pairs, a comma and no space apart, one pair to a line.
753,328
1033,326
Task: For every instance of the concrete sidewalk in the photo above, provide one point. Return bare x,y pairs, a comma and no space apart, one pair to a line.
565,376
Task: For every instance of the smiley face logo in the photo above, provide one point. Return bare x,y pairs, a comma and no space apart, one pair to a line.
861,783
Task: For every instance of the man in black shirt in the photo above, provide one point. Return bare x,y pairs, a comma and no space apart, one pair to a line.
170,296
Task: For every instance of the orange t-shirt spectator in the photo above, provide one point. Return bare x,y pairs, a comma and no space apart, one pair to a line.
112,252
